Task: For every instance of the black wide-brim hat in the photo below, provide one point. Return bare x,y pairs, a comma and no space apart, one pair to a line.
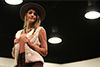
38,8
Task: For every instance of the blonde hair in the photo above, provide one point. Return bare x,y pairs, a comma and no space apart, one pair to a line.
36,23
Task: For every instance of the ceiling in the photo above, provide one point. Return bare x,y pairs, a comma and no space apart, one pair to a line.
80,36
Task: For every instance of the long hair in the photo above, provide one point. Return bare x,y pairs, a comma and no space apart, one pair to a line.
36,24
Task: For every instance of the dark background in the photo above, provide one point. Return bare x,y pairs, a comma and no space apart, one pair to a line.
80,36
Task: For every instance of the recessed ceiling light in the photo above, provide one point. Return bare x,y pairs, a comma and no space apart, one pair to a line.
54,40
14,2
92,15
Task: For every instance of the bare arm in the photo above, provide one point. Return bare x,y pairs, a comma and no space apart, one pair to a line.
43,41
13,52
16,40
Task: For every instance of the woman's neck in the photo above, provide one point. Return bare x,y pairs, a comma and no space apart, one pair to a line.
29,25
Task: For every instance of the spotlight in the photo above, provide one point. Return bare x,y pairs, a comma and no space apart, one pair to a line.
55,37
92,10
55,40
92,15
13,2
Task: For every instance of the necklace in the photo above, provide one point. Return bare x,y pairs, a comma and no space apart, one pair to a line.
28,30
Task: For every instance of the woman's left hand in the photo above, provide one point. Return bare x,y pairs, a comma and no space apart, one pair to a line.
24,38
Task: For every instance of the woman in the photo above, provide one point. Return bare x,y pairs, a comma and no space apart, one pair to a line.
30,42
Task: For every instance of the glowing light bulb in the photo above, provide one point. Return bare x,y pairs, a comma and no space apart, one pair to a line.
92,15
55,40
14,2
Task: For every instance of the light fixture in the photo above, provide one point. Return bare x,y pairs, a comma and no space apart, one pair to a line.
54,40
92,11
92,15
13,2
55,37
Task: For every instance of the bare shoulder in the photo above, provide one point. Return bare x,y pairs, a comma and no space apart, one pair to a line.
42,34
42,30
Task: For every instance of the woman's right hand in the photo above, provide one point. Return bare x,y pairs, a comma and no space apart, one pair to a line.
16,40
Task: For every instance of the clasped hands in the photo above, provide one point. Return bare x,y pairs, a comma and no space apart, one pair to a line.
22,38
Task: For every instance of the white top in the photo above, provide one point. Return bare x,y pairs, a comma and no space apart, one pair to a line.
30,54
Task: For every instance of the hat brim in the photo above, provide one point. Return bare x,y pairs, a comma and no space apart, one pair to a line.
26,6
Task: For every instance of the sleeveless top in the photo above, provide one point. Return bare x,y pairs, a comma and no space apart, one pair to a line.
30,54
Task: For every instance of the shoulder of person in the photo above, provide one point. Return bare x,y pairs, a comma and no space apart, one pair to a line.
18,33
42,29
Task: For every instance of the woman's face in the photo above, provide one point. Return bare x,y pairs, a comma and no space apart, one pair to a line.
31,16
